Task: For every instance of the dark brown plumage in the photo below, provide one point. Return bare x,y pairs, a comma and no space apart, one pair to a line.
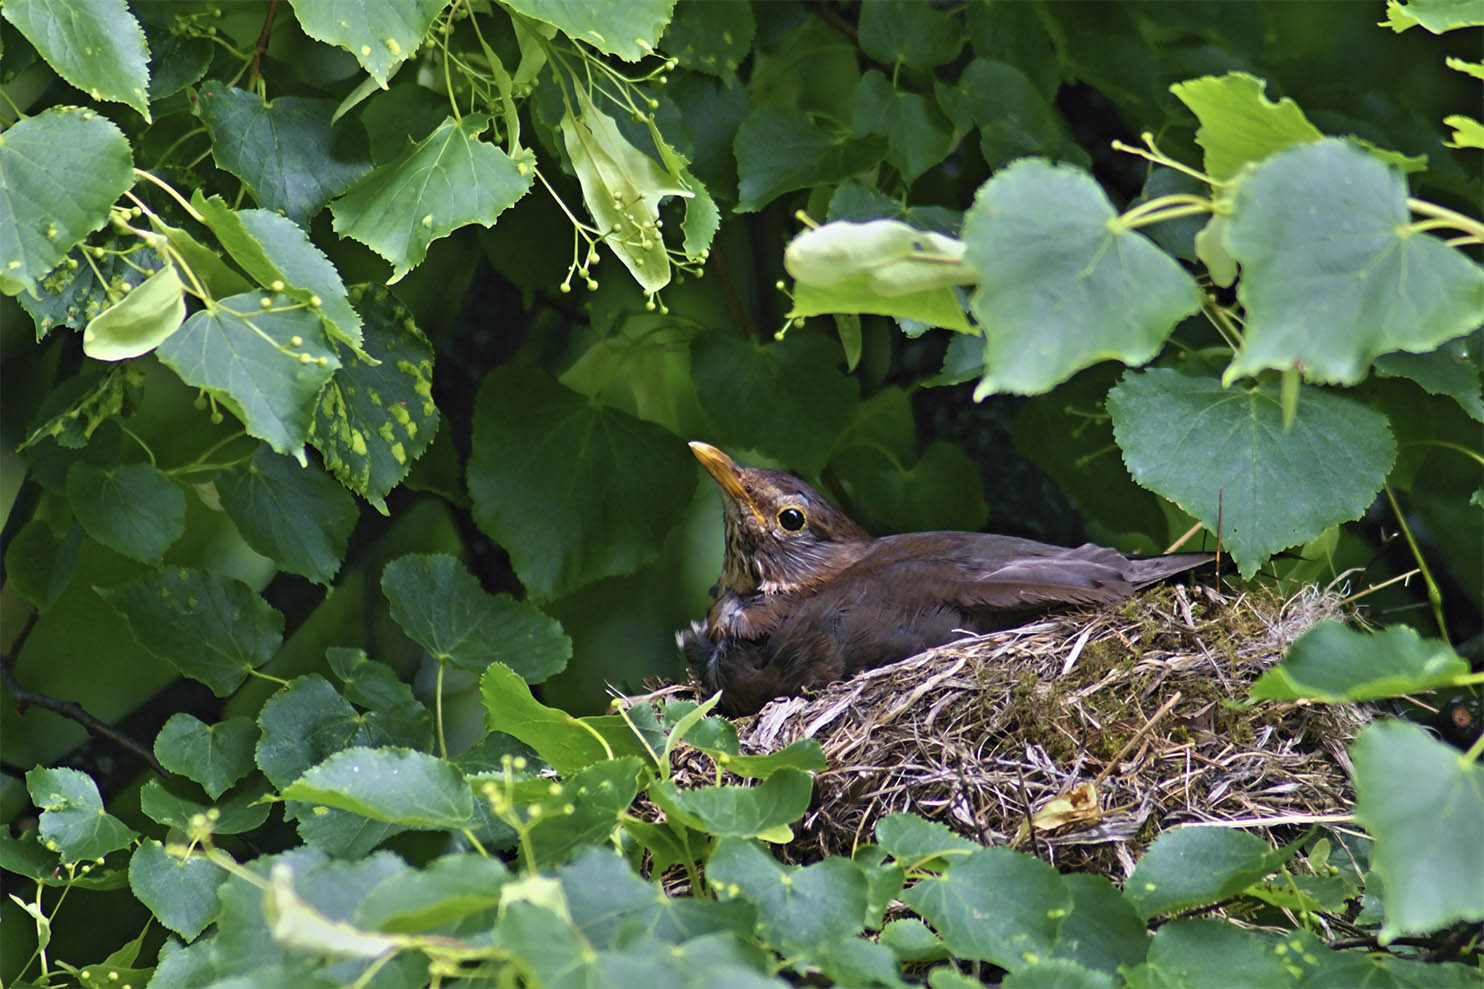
806,596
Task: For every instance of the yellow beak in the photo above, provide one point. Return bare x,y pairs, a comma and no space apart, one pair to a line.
726,473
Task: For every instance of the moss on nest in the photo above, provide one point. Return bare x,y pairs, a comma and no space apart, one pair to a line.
1140,700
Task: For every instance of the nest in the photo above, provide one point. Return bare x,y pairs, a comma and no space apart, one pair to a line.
1078,737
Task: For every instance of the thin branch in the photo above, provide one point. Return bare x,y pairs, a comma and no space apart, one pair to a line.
67,709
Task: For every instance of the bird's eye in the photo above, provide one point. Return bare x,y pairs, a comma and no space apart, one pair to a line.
792,519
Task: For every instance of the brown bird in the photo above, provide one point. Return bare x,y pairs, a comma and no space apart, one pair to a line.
807,597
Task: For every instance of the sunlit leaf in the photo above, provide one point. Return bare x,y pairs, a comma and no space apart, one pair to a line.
140,321
399,786
1239,124
1425,806
1336,664
629,30
1062,285
1332,276
567,744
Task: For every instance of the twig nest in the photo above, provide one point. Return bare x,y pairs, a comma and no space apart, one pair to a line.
1080,736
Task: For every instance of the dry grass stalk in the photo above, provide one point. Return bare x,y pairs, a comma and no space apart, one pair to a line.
1105,726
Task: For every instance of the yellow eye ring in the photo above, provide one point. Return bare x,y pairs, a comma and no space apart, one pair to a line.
792,519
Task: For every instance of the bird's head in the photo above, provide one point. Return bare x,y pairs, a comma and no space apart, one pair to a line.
781,534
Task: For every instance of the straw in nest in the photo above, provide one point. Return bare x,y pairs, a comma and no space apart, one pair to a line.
1103,727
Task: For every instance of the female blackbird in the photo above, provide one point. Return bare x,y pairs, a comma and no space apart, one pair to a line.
807,597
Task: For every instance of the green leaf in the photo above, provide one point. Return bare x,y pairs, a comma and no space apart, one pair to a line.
798,908
286,151
622,188
1450,370
880,257
73,822
1211,954
442,608
912,941
1336,664
399,786
1239,124
72,412
1103,932
917,134
763,810
809,402
572,490
296,516
381,34
446,890
371,684
85,283
1058,973
630,30
1014,117
376,416
181,893
60,171
915,34
302,725
779,151
266,364
997,905
942,490
609,904
132,509
1332,275
443,182
710,37
140,321
212,628
277,253
39,563
582,811
96,45
1062,284
1196,866
176,60
1424,804
804,754
216,756
1436,16
934,307
1467,132
243,810
917,843
1223,453
565,743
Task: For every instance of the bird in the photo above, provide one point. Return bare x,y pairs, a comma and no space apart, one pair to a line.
807,597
